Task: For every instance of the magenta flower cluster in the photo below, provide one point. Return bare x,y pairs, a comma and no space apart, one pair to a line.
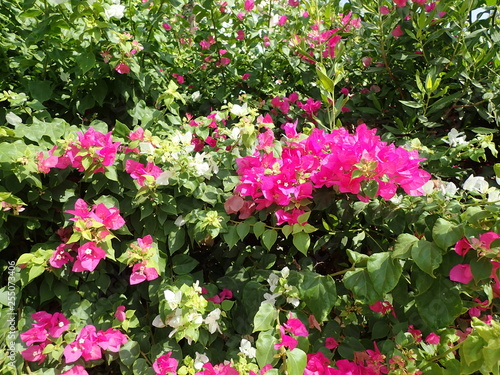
285,181
89,343
92,151
462,273
93,224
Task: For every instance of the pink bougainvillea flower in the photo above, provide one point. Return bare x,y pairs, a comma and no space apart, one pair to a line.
397,32
400,3
417,334
383,307
296,327
266,40
419,2
240,35
282,20
84,345
122,68
344,367
286,340
34,335
140,273
331,343
139,171
95,147
384,10
58,324
110,340
249,5
166,26
45,164
204,44
430,7
317,363
81,210
35,353
136,135
76,370
109,217
367,61
311,106
165,365
476,310
245,76
120,313
61,256
432,339
293,3
220,369
89,256
461,273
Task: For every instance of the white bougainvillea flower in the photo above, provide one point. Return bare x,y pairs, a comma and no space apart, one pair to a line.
115,11
173,299
455,138
247,348
212,320
476,183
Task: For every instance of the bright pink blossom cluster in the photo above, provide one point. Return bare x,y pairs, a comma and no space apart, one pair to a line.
46,327
139,254
344,161
294,327
91,152
145,175
462,273
90,344
94,225
165,365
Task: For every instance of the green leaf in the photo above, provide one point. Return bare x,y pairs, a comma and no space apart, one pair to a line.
85,61
302,241
269,237
231,237
403,246
296,361
242,229
129,352
359,282
411,103
40,90
265,318
319,293
440,305
481,268
183,264
384,271
258,228
427,256
446,234
265,349
326,81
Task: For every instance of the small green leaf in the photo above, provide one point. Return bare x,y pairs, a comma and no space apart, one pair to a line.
269,237
427,256
265,318
129,352
404,243
384,271
446,234
296,361
302,241
258,228
265,349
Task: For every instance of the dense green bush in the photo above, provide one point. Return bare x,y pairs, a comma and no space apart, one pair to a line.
300,187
